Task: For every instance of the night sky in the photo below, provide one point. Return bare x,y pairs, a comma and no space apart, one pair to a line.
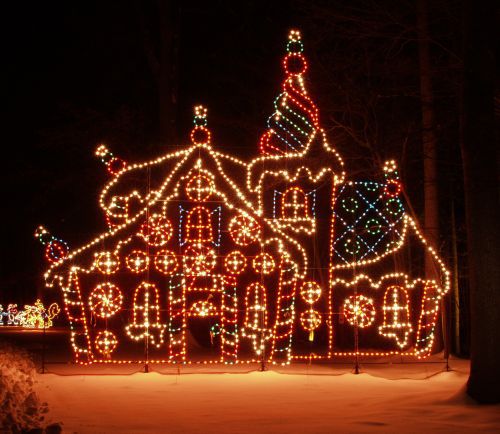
77,74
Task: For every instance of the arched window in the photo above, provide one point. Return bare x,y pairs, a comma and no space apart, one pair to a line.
294,204
396,309
199,226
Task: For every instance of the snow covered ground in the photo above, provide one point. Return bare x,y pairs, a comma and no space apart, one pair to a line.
300,399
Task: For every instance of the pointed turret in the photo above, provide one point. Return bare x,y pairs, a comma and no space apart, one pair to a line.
295,118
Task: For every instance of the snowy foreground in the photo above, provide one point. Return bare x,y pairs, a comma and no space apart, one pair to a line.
385,398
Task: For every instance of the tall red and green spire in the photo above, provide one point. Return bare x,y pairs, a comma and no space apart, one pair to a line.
296,116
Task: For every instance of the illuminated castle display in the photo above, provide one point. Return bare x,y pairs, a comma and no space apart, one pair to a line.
211,259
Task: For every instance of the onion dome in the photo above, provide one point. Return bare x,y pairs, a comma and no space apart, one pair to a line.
295,118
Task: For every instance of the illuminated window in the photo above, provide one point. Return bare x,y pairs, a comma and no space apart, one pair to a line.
396,309
199,226
294,204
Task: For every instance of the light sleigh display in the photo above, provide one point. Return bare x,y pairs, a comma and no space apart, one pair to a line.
210,259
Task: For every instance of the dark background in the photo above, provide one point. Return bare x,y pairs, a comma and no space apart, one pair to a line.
77,74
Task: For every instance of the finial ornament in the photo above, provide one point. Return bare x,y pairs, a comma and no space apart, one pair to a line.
200,134
55,249
114,164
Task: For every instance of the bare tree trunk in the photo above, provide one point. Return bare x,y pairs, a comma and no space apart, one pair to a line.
480,158
429,142
455,285
429,145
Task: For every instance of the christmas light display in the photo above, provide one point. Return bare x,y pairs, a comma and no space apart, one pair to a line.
256,317
235,262
107,262
359,310
146,315
105,343
137,261
209,259
55,249
105,300
166,262
32,316
310,319
295,116
114,164
10,315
